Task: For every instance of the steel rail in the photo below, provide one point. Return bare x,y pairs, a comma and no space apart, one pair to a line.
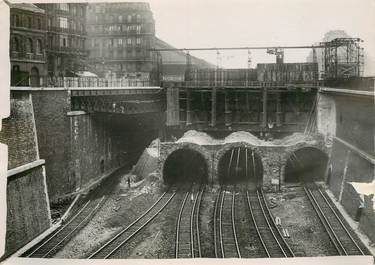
234,224
274,224
192,225
329,225
339,219
256,225
269,225
141,227
221,224
179,223
59,230
322,219
197,221
127,228
215,224
71,232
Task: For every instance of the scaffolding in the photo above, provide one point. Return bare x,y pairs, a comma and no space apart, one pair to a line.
343,58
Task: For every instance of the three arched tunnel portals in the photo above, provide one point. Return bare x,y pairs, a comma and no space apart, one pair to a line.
307,164
184,166
240,165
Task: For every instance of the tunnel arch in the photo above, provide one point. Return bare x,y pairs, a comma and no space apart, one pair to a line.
306,164
185,165
240,163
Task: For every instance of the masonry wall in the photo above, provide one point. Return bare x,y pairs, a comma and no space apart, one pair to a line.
96,148
53,127
81,148
27,202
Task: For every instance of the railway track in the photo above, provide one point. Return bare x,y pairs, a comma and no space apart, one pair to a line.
116,246
187,229
248,239
334,223
225,234
63,235
271,240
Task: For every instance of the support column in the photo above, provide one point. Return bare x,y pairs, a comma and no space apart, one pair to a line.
264,112
238,112
188,108
213,107
278,109
228,113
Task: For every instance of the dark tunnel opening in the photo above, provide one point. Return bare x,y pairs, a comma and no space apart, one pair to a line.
306,165
240,164
185,166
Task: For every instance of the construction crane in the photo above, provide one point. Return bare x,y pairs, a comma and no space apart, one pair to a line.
279,52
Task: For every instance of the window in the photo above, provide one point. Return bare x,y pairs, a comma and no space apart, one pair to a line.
39,23
29,22
138,18
120,18
38,47
29,46
16,44
49,23
119,42
129,41
18,24
50,42
63,22
63,6
138,29
129,18
63,41
138,41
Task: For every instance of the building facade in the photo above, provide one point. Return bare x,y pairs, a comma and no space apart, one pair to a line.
119,38
66,37
27,44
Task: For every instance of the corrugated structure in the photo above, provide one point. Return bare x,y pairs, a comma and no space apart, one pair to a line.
281,73
288,72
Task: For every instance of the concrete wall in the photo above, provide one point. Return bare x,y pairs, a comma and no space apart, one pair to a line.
350,119
53,130
367,221
28,212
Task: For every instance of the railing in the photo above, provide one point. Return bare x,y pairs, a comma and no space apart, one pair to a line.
27,56
239,84
77,82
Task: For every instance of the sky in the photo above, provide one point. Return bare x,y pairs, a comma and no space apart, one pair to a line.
234,23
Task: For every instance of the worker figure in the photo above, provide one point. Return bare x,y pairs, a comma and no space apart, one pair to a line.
129,182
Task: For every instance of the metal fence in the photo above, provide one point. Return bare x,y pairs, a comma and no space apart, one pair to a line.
71,82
